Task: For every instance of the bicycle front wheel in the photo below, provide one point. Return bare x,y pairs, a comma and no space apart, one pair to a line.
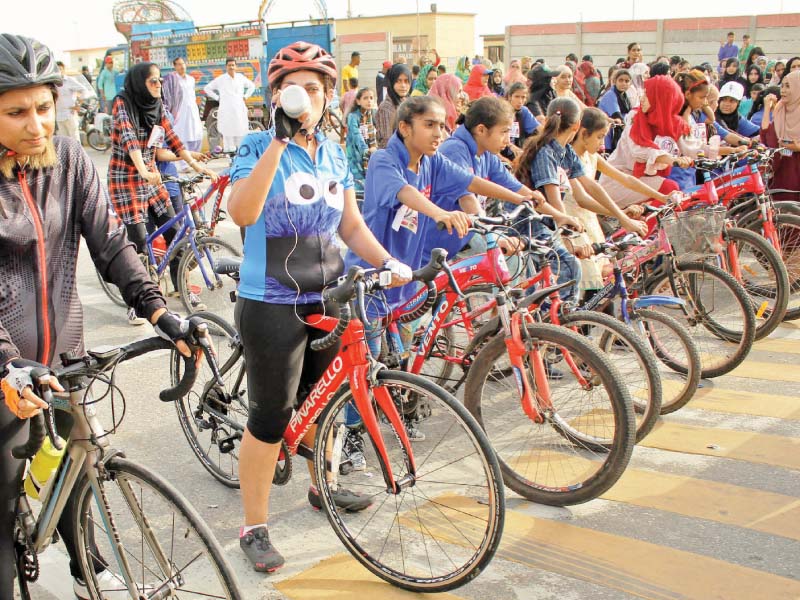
631,356
718,314
444,525
202,289
582,444
213,417
152,541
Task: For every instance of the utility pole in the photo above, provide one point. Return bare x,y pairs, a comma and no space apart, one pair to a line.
419,39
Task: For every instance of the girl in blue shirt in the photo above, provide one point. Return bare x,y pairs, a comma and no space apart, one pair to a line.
727,112
524,124
361,139
616,104
293,191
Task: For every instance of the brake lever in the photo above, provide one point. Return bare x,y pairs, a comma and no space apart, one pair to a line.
201,335
452,279
362,310
41,377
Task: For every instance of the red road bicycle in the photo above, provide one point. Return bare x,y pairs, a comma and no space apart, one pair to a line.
438,506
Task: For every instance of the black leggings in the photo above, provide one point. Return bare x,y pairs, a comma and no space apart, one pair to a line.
13,432
137,233
281,366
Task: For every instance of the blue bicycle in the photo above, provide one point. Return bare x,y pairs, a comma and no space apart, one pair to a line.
193,255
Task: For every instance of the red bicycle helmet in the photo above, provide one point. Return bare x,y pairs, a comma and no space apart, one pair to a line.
300,56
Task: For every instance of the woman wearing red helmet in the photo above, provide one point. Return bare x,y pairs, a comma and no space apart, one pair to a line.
293,191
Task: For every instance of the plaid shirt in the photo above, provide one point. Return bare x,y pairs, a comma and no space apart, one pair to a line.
131,195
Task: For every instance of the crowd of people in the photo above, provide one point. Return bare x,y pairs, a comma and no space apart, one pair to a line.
425,148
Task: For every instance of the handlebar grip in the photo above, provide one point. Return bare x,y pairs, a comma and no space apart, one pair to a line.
184,386
35,439
342,293
434,266
598,248
333,337
424,307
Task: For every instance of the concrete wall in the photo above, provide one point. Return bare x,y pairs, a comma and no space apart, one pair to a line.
696,39
374,49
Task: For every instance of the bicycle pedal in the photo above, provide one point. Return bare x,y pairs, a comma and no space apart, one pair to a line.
228,444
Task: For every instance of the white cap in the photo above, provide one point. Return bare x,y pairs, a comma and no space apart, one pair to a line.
732,90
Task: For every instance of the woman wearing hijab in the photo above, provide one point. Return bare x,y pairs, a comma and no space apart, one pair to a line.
140,127
651,141
753,57
616,104
514,75
753,75
783,131
476,84
463,68
541,90
425,79
732,71
398,85
448,87
496,82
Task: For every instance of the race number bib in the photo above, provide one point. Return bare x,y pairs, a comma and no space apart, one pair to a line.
156,139
700,132
406,218
514,135
667,144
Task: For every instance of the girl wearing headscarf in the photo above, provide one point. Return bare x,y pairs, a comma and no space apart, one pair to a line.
616,104
783,131
639,74
753,75
140,128
425,79
541,90
448,87
651,141
779,68
588,79
476,85
463,68
514,75
398,85
496,82
732,72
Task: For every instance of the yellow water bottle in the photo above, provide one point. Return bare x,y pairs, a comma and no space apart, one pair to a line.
43,465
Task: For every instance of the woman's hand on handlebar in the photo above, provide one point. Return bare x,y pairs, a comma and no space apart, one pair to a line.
207,172
151,177
683,162
563,220
634,226
634,211
17,387
511,245
401,273
536,198
454,220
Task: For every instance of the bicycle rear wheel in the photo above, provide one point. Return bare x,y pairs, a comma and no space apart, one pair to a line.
443,527
675,350
582,445
213,417
631,356
140,520
199,286
718,313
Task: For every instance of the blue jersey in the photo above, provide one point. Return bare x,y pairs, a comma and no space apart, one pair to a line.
398,228
293,250
462,149
554,164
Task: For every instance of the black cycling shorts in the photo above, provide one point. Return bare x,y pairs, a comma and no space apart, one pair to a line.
281,366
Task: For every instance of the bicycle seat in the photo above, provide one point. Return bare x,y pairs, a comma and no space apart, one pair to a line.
539,295
228,265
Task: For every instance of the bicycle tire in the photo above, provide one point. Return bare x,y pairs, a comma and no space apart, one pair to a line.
192,283
723,346
215,575
769,293
787,227
219,413
98,141
111,291
430,502
680,386
618,342
504,424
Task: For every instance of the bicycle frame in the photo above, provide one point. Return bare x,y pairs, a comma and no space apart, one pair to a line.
217,187
352,363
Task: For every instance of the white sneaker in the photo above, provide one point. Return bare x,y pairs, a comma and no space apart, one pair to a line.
111,586
133,319
414,434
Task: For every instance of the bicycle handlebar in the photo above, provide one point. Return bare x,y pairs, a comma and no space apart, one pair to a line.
102,360
356,284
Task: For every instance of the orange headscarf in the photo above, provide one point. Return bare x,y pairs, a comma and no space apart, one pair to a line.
448,87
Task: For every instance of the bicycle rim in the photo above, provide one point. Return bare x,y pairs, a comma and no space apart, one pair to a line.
213,417
718,314
788,231
632,358
200,288
677,355
585,440
165,543
440,532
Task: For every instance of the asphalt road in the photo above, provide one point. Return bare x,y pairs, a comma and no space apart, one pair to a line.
708,508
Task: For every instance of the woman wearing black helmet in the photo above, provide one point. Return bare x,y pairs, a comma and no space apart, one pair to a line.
49,184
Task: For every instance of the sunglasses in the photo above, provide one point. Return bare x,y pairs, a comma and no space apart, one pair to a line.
155,80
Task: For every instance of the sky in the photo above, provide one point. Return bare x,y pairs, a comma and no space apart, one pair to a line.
72,24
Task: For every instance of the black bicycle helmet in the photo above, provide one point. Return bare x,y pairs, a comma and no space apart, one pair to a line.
24,62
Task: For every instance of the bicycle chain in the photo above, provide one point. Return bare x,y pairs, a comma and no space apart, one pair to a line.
27,561
283,473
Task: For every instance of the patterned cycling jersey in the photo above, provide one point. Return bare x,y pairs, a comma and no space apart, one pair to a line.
292,250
